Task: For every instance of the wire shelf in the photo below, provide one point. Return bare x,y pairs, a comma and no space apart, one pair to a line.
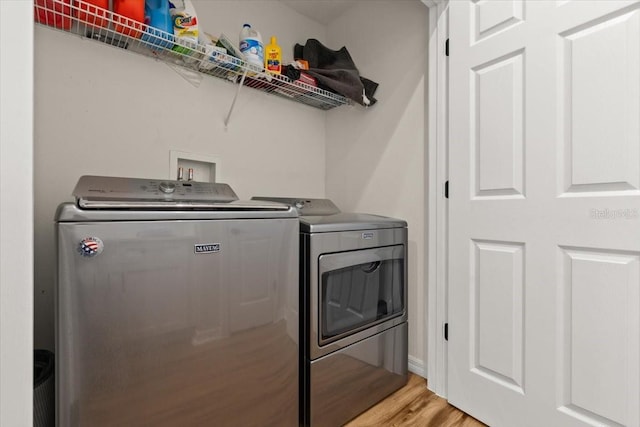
89,21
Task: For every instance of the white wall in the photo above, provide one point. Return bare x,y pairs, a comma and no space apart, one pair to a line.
100,110
16,213
376,158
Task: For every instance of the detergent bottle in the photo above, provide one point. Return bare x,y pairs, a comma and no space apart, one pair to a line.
131,19
251,46
185,25
159,23
94,12
157,15
273,57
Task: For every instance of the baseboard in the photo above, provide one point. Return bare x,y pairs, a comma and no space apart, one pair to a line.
417,367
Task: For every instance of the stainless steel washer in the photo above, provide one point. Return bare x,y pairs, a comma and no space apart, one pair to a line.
176,305
353,284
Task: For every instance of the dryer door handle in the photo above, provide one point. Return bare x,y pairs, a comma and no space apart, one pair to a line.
371,267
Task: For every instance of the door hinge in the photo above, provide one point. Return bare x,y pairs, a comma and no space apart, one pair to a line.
446,48
446,331
446,190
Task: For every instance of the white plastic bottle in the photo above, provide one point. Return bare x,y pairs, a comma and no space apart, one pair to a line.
251,46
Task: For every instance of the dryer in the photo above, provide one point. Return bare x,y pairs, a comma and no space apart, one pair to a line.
353,289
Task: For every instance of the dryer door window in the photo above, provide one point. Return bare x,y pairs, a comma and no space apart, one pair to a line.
360,289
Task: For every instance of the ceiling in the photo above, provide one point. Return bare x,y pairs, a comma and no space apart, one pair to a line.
322,11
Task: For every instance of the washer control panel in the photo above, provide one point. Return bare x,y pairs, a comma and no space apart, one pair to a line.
167,187
103,191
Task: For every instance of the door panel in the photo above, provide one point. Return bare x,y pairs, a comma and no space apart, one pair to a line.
496,311
599,86
497,111
491,17
544,255
598,306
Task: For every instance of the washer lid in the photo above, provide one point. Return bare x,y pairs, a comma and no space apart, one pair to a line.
70,212
347,222
113,193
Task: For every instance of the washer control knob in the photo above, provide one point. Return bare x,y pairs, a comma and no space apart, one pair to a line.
167,187
299,204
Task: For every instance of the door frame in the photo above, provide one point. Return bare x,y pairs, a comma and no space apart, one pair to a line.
437,205
16,213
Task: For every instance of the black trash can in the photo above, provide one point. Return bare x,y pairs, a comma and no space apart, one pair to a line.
43,389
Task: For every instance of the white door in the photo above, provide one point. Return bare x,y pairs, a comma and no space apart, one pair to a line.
544,270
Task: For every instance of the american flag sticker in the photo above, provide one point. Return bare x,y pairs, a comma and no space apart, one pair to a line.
90,247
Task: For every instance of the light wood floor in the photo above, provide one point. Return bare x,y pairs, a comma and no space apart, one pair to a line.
414,405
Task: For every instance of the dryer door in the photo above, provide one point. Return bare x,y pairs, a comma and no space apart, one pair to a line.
359,289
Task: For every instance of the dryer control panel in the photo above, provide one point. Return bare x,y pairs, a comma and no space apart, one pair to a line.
305,206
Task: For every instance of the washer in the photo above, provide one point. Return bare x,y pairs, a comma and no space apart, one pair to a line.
176,305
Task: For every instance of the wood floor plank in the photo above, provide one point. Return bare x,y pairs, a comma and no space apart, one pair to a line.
414,405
